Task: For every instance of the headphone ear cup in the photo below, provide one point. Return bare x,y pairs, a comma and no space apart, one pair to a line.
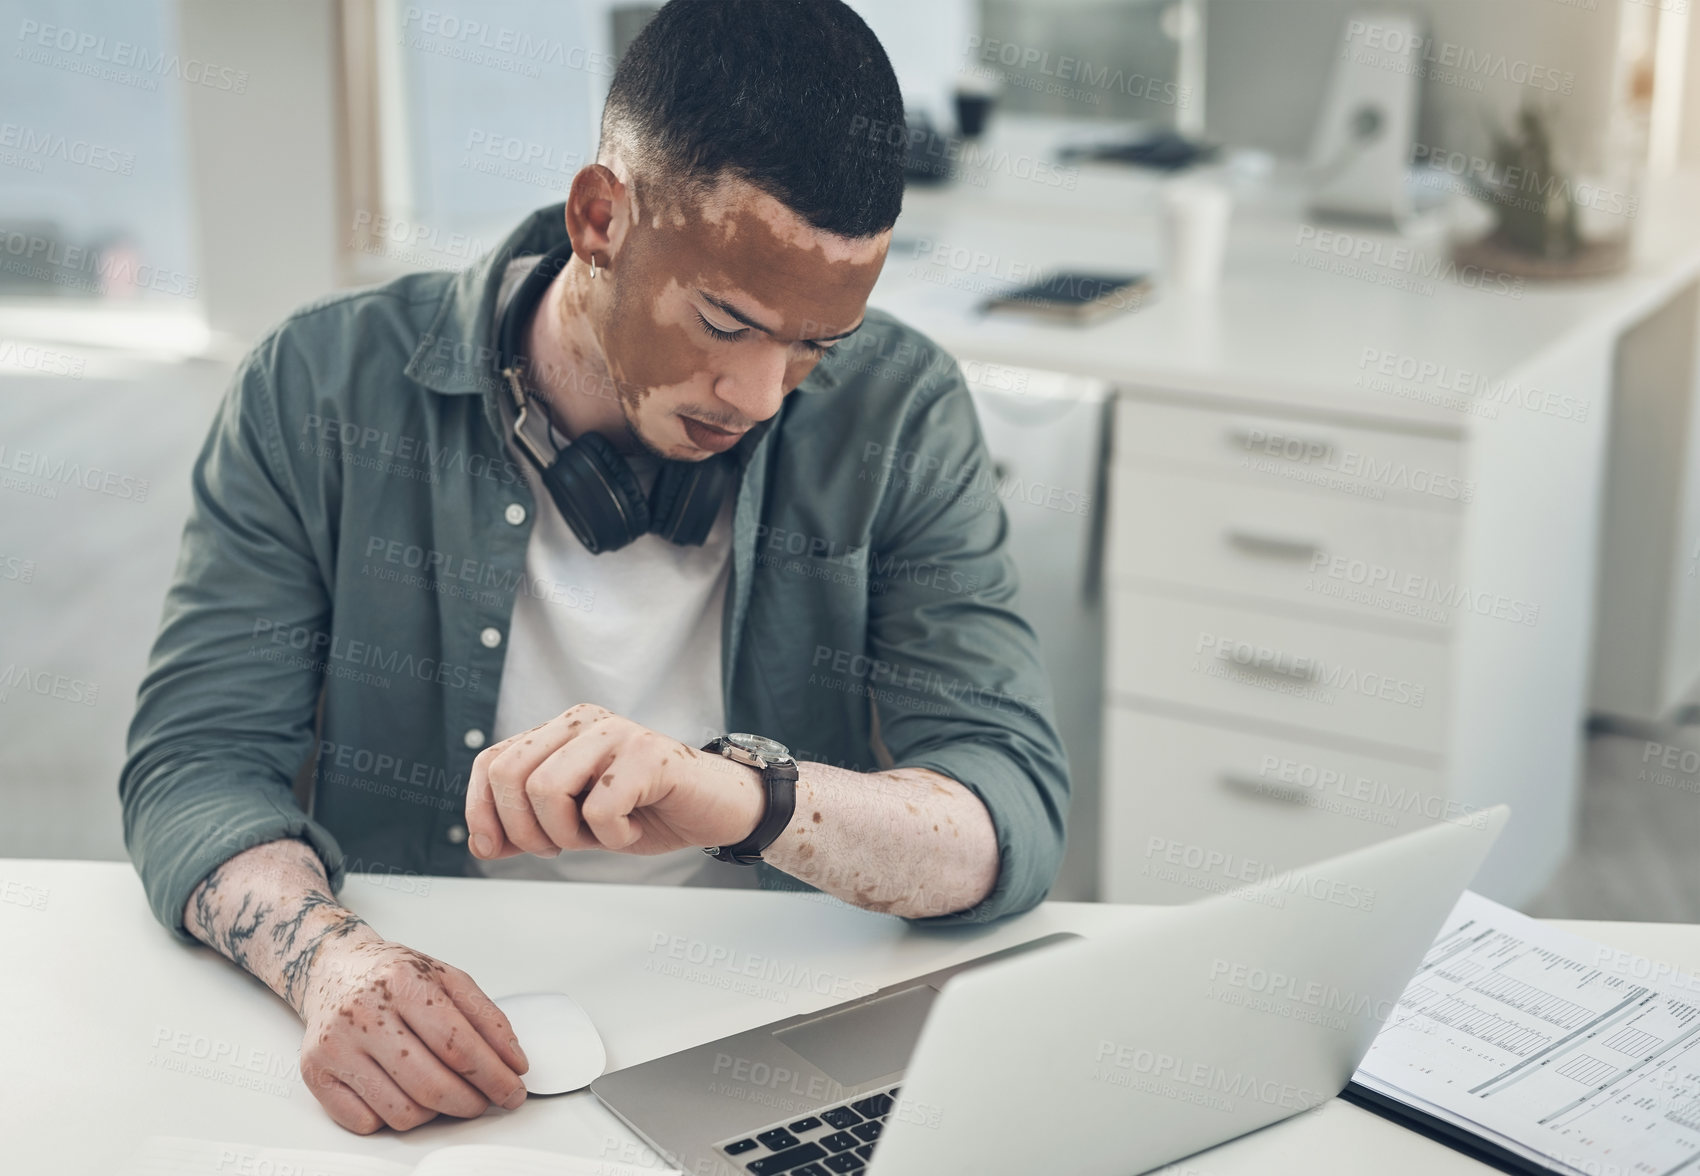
597,493
687,497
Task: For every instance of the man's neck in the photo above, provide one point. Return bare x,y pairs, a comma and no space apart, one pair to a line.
567,369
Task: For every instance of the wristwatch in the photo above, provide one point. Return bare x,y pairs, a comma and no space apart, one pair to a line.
778,776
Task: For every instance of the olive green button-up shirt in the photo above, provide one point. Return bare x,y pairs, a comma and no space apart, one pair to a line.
358,535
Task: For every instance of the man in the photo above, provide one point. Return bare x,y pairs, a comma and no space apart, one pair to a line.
376,550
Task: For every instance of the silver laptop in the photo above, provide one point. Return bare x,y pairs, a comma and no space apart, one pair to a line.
1099,1056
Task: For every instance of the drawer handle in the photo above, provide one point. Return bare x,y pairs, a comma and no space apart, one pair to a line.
1272,546
1266,789
1292,446
1300,669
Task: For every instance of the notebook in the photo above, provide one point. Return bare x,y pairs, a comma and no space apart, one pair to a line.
1073,296
1539,1051
174,1155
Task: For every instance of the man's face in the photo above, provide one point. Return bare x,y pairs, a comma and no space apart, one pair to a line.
721,306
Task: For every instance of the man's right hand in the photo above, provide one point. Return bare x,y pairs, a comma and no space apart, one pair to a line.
393,1036
396,1037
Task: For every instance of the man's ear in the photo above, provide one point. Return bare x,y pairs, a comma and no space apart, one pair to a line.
599,214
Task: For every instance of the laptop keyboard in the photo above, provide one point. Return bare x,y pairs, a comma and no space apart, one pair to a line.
839,1139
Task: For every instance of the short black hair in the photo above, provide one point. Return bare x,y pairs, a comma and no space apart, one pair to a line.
794,96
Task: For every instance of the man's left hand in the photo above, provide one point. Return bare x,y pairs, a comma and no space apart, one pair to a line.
590,779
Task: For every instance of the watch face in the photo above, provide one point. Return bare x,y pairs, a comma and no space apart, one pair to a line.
760,745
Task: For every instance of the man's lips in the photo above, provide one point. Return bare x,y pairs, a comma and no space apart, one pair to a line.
708,437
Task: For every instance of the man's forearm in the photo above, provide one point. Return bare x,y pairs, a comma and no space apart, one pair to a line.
269,909
909,842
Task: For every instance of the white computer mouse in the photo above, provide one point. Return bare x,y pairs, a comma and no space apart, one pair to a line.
563,1047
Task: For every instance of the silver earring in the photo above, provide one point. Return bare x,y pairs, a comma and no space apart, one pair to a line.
593,266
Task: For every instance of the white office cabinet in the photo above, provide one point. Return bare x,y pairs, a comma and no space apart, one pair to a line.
1282,595
1302,674
1308,452
1278,544
1197,808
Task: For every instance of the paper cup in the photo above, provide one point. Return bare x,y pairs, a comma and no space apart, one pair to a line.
1195,234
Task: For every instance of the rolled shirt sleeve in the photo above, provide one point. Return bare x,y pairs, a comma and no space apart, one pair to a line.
965,692
224,716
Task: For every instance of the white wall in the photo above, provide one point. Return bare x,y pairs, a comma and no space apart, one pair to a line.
927,42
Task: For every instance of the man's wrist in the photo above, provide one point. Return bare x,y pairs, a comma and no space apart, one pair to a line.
318,956
774,796
754,806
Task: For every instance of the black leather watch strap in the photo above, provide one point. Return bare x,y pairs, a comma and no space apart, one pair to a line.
780,782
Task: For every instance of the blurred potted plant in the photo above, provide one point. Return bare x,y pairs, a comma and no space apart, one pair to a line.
1538,225
1542,219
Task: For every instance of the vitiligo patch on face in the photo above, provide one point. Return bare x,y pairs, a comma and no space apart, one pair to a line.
744,247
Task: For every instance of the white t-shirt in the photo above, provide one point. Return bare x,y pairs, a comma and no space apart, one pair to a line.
635,630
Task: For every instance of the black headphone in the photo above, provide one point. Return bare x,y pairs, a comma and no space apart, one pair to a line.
595,490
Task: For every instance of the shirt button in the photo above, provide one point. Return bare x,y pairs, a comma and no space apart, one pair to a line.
515,513
457,834
491,637
473,738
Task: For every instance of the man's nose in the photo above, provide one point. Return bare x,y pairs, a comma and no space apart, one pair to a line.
754,382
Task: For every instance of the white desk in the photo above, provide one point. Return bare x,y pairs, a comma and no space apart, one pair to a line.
103,1011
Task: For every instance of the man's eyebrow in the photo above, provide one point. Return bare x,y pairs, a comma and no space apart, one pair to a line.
724,308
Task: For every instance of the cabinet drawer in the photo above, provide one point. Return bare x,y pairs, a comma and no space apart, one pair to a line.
1373,686
1190,809
1370,559
1342,461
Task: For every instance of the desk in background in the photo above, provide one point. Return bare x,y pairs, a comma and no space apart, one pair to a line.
1272,443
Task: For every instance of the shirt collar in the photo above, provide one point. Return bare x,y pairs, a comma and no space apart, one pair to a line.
457,354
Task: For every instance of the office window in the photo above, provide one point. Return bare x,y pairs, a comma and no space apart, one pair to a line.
479,112
94,201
